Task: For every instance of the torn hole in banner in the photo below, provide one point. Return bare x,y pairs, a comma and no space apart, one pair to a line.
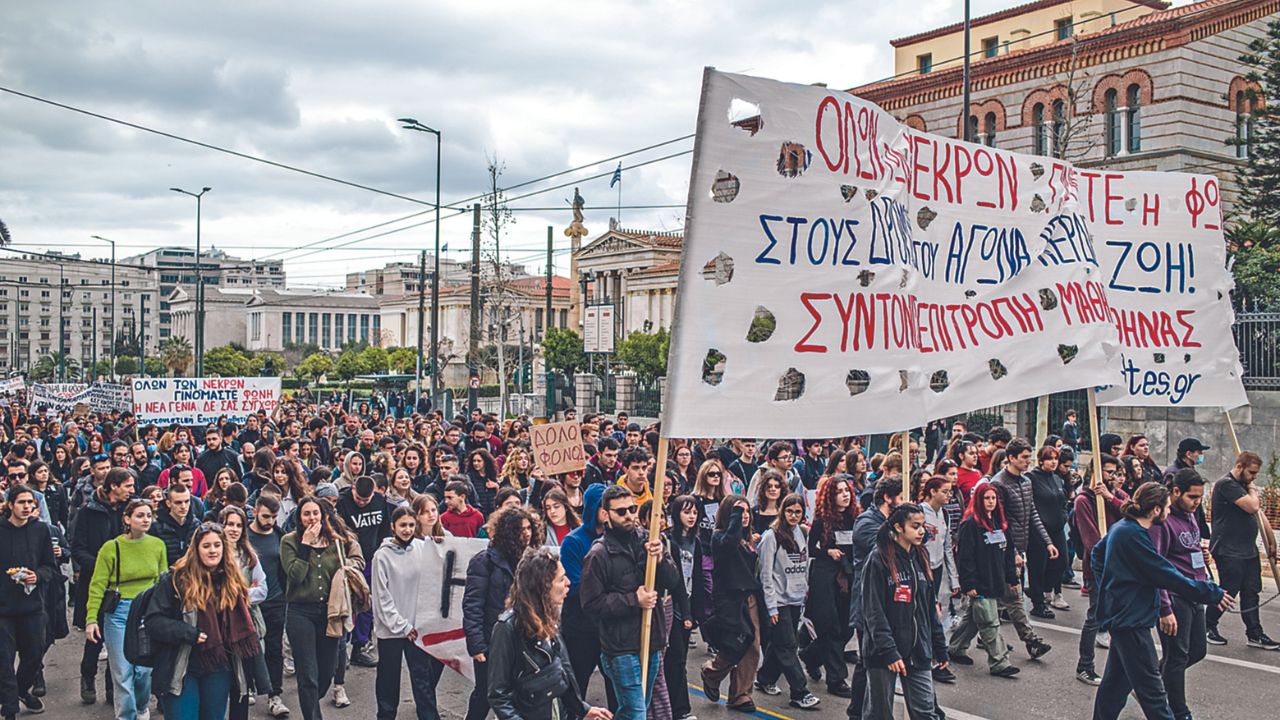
1048,299
713,367
939,381
725,187
745,116
1068,353
790,385
858,381
865,278
997,369
1037,204
848,192
1131,204
762,325
970,293
871,195
904,381
1186,357
1037,170
906,277
719,269
925,217
793,159
1158,358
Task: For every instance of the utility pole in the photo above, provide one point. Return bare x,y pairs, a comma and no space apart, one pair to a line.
142,336
62,342
422,291
93,373
546,328
111,372
473,394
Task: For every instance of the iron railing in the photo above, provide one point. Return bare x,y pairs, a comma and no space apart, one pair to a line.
1258,340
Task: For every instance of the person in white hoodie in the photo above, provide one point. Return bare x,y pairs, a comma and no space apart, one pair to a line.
784,573
397,567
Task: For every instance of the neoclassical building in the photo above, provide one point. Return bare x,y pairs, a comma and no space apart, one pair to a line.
636,271
1126,84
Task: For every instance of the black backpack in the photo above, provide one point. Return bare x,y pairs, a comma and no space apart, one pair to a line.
138,648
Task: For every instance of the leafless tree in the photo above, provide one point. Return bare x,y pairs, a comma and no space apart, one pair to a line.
496,218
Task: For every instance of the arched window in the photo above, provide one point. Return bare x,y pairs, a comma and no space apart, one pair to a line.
1039,139
989,129
1059,127
971,134
1245,105
1133,120
1111,122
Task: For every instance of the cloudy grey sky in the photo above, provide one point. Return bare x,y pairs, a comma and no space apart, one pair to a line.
543,86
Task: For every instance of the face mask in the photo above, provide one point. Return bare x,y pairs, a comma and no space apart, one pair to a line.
151,449
1200,460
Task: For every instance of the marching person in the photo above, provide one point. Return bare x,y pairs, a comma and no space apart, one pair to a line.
198,617
1017,499
234,523
1085,519
125,566
614,596
831,582
1182,633
174,522
1233,543
310,557
1131,575
489,578
26,553
265,536
939,541
985,560
784,570
397,572
735,619
528,652
904,635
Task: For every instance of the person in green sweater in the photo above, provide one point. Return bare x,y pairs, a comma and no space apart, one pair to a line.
128,564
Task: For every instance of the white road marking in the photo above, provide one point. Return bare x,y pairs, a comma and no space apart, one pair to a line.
1211,657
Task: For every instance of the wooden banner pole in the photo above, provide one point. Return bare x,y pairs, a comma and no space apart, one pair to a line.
1100,503
1042,421
651,563
1264,525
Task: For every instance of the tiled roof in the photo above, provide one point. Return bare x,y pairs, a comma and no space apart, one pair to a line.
1001,15
652,237
661,269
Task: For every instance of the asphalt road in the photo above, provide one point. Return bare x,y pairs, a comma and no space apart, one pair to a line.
1234,683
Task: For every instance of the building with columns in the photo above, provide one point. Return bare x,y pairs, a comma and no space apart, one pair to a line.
1120,84
276,319
637,272
224,314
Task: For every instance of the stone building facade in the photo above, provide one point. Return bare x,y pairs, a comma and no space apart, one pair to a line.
1155,89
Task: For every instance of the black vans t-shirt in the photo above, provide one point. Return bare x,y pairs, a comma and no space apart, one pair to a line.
1235,532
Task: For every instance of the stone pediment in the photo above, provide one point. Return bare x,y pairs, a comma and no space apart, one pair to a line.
611,244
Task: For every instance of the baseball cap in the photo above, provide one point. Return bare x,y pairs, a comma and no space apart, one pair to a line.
326,490
1191,445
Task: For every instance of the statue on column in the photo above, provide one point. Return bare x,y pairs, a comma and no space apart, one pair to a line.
576,230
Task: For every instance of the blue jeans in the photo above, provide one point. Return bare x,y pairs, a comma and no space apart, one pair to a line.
132,684
204,697
624,672
917,691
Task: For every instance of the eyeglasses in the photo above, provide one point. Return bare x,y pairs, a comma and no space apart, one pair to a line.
794,511
628,510
15,476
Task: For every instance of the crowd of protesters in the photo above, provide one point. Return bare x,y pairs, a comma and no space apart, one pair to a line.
292,544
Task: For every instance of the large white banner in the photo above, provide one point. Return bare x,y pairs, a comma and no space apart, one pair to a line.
53,398
105,397
1159,240
844,273
200,401
442,580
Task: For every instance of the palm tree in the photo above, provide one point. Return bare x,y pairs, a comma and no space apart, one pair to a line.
46,367
177,355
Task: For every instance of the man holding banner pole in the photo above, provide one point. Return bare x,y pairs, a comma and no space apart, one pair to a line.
614,595
1235,502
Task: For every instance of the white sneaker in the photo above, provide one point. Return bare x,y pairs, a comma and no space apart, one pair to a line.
1059,603
340,698
1103,641
102,654
253,699
276,707
288,667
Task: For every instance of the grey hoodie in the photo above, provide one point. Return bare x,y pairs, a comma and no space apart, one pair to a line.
784,575
396,574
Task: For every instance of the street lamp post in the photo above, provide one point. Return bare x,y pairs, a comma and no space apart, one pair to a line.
111,373
412,124
62,338
199,342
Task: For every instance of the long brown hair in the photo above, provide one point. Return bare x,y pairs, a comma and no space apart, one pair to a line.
535,616
243,548
197,585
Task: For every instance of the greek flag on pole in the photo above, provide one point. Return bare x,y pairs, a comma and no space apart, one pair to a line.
617,176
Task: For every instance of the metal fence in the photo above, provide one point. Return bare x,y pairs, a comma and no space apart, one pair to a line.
1258,340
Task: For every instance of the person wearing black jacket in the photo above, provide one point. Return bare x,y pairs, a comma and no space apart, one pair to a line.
613,594
528,655
904,635
265,536
885,496
26,554
368,515
96,523
175,522
489,578
830,583
1044,574
146,472
686,550
735,591
986,565
215,456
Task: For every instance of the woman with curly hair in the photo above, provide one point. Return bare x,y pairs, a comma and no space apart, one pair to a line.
831,547
482,471
516,468
489,578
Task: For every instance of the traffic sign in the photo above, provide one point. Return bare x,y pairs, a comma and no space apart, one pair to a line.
474,383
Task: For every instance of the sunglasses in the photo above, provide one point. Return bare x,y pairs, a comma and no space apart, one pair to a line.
15,476
215,527
628,510
714,474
